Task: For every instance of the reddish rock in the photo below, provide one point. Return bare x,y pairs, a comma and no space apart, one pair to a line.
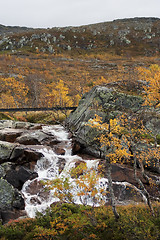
76,147
10,135
31,155
37,188
36,127
59,150
125,194
9,216
61,164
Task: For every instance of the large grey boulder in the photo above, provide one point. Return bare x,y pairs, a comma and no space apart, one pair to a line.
9,197
19,154
18,176
103,101
107,103
10,134
6,150
31,138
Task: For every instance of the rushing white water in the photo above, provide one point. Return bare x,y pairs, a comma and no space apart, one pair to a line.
48,168
53,166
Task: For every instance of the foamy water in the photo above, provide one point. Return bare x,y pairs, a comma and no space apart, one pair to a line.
35,195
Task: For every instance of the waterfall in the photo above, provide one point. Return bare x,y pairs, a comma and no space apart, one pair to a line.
48,168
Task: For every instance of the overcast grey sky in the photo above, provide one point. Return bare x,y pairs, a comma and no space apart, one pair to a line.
55,13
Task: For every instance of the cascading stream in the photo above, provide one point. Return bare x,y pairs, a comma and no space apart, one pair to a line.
48,168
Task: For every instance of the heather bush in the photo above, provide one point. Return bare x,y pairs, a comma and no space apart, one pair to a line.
75,222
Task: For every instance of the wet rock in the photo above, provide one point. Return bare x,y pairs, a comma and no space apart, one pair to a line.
50,141
76,148
30,165
125,174
31,138
35,127
38,189
59,150
61,164
35,201
9,135
29,156
126,194
9,197
37,138
19,175
6,150
9,216
17,153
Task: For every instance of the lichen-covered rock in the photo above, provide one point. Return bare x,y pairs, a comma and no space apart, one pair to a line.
9,197
6,150
105,102
31,138
17,125
2,172
108,104
11,152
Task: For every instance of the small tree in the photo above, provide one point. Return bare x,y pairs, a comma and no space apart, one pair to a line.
119,139
112,142
58,95
81,185
136,133
13,92
152,87
152,97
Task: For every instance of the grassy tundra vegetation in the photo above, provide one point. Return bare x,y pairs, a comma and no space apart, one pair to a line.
67,221
49,80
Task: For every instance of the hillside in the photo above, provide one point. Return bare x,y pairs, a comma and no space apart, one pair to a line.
136,36
36,63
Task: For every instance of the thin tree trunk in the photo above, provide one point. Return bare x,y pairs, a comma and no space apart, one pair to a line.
145,192
143,172
110,185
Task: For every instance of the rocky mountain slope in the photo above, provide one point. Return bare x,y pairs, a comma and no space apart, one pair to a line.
134,36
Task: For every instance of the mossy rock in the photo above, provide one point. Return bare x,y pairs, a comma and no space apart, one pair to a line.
109,104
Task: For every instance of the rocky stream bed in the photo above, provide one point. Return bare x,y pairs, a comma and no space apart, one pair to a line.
30,153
